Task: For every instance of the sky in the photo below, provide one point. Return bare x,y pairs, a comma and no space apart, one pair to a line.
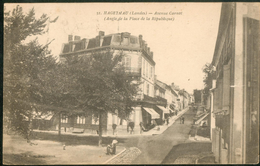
181,45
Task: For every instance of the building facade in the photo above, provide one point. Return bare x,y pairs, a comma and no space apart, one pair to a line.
138,61
235,91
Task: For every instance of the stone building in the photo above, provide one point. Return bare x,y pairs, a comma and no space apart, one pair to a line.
138,62
235,91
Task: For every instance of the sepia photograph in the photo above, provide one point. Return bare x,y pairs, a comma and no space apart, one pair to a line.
131,83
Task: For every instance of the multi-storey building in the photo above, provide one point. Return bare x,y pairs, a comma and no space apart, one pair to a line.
138,62
171,97
235,91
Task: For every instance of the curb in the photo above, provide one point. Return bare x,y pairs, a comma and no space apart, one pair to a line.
115,156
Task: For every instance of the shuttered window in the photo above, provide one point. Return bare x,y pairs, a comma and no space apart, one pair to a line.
226,87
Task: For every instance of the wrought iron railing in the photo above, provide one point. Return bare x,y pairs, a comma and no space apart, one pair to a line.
133,71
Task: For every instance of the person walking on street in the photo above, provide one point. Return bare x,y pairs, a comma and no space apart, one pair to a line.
182,120
167,120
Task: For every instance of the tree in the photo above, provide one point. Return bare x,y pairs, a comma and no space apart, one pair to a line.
98,84
24,67
208,71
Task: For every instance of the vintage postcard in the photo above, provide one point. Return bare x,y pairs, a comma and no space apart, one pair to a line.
131,83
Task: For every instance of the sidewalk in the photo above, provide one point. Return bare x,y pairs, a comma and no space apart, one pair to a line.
153,131
164,127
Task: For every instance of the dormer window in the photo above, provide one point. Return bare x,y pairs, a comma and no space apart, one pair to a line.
117,38
107,41
133,40
125,41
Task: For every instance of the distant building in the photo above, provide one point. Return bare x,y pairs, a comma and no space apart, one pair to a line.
235,91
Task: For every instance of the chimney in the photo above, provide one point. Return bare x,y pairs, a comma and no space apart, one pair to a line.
145,47
98,41
76,38
101,33
173,85
70,38
140,40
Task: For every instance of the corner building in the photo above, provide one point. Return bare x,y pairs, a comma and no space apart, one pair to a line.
138,61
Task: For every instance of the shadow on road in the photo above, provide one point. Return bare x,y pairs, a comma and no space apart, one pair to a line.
73,140
192,148
22,159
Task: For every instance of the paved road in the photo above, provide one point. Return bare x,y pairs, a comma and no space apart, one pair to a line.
155,148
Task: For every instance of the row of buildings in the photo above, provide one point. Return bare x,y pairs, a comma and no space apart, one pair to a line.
155,102
235,93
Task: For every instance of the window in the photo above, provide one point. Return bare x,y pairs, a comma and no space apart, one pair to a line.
147,89
151,72
95,119
64,118
128,62
146,74
133,40
144,87
81,120
92,43
107,41
125,41
77,46
143,66
117,38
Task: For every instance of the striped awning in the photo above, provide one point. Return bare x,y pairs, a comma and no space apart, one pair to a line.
153,113
163,109
38,115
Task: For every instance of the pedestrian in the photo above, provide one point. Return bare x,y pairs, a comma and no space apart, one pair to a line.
182,120
141,127
167,120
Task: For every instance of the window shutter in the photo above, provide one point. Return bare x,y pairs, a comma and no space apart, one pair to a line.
226,87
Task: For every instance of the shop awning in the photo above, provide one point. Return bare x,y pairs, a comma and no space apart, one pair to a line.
47,117
37,115
153,113
163,109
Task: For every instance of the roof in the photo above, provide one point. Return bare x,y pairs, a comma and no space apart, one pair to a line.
160,84
223,24
121,41
165,86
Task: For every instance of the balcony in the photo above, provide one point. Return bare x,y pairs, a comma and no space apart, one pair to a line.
155,100
133,71
161,100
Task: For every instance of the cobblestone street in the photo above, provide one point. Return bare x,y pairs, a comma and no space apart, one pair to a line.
126,157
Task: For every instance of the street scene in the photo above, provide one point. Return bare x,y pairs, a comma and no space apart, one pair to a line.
155,83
